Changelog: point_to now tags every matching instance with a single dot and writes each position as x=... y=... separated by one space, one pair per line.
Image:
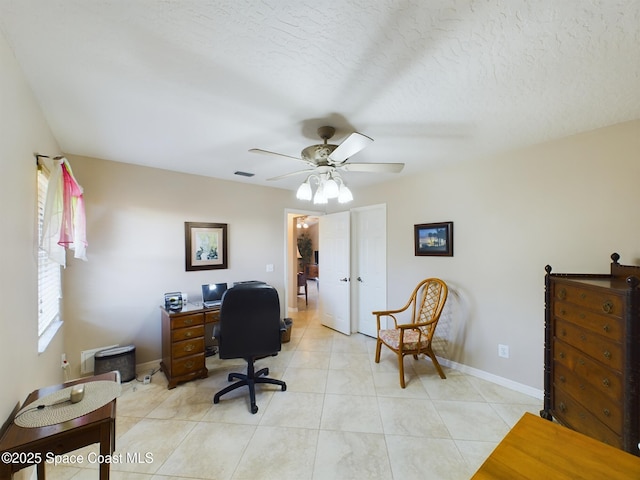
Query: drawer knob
x=561 y=354
x=563 y=312
x=606 y=328
x=188 y=321
x=562 y=407
x=188 y=334
x=607 y=306
x=607 y=354
x=562 y=379
x=607 y=412
x=189 y=347
x=606 y=382
x=562 y=294
x=583 y=295
x=583 y=337
x=563 y=332
x=581 y=361
x=581 y=386
x=190 y=364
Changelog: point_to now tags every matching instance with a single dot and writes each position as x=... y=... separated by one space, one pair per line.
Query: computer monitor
x=212 y=294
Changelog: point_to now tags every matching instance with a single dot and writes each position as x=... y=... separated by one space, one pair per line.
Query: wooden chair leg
x=436 y=364
x=401 y=368
x=378 y=347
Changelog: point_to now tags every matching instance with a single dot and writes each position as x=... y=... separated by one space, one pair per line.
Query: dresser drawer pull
x=188 y=334
x=581 y=386
x=561 y=354
x=562 y=407
x=562 y=294
x=581 y=361
x=607 y=354
x=606 y=382
x=582 y=415
x=583 y=295
x=563 y=332
x=607 y=306
x=563 y=312
x=189 y=347
x=190 y=364
x=562 y=379
x=188 y=321
x=583 y=337
x=607 y=412
x=606 y=328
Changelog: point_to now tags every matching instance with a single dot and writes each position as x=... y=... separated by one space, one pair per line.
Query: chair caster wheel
x=254 y=409
x=284 y=388
x=216 y=400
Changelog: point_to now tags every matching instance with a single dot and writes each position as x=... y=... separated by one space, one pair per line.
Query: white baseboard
x=490 y=377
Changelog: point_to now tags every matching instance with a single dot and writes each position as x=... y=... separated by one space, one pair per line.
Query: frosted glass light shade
x=304 y=191
x=345 y=194
x=331 y=188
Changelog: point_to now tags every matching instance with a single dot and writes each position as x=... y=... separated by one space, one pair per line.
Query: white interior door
x=334 y=246
x=369 y=265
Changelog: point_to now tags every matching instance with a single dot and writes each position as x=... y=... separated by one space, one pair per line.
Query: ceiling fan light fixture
x=345 y=194
x=304 y=191
x=331 y=188
x=320 y=198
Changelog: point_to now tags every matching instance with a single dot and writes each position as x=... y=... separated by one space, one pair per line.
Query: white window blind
x=49 y=283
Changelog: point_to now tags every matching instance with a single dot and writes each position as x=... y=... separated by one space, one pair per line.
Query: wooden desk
x=33 y=445
x=536 y=448
x=184 y=341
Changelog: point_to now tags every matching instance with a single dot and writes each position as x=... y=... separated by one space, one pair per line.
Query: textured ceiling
x=191 y=86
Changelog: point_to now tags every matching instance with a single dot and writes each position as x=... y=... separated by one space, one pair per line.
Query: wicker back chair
x=414 y=337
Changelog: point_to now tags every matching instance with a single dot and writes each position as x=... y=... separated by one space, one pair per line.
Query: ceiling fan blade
x=352 y=145
x=267 y=152
x=372 y=167
x=291 y=174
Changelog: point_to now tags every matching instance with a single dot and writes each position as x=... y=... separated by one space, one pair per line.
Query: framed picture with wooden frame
x=433 y=239
x=205 y=245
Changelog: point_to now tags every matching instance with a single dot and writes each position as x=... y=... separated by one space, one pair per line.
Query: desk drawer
x=212 y=316
x=187 y=321
x=187 y=333
x=187 y=347
x=186 y=365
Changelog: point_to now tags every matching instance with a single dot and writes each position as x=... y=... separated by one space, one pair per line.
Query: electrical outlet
x=503 y=351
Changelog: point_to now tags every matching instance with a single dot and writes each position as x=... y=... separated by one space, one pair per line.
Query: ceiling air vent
x=244 y=174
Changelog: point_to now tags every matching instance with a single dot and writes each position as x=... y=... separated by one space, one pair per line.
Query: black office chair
x=249 y=328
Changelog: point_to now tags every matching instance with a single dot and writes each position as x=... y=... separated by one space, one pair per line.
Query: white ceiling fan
x=325 y=156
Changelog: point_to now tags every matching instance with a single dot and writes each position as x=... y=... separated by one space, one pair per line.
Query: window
x=49 y=282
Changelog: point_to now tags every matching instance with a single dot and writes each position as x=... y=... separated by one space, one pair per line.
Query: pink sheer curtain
x=64 y=218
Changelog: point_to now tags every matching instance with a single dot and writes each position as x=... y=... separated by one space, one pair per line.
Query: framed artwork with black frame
x=434 y=239
x=205 y=245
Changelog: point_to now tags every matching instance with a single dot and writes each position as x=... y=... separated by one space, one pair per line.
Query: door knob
x=360 y=279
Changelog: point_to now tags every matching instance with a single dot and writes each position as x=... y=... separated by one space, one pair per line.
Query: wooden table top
x=537 y=448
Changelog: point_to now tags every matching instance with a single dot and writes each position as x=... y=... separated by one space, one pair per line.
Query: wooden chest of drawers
x=592 y=354
x=183 y=343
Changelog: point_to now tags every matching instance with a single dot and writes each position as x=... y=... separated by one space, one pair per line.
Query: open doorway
x=307 y=254
x=303 y=274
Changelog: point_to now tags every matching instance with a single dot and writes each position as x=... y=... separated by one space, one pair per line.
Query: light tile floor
x=342 y=417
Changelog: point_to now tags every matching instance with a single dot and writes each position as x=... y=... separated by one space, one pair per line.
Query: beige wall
x=568 y=203
x=135 y=224
x=23 y=132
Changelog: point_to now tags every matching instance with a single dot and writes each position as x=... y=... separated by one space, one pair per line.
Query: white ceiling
x=191 y=86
